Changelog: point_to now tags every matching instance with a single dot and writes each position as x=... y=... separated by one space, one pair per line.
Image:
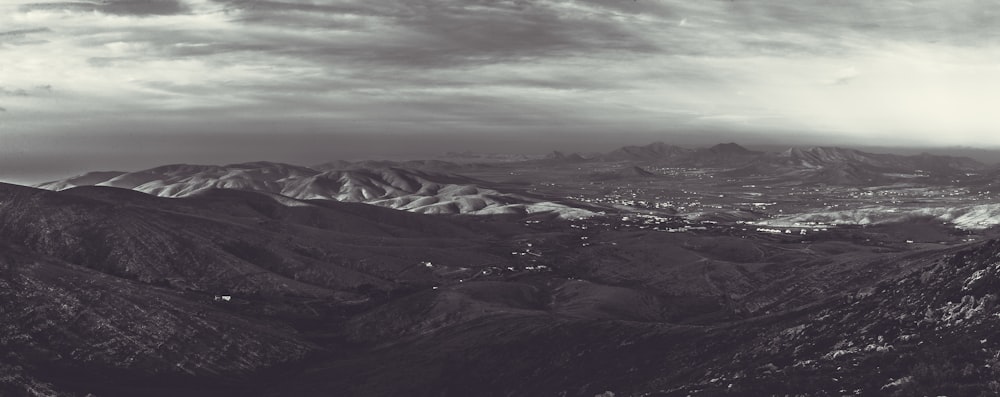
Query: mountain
x=730 y=149
x=840 y=166
x=656 y=151
x=182 y=179
x=817 y=165
x=115 y=292
x=226 y=240
x=724 y=155
x=924 y=327
x=70 y=329
x=226 y=292
x=398 y=188
x=420 y=191
x=924 y=162
x=560 y=157
x=267 y=279
x=929 y=331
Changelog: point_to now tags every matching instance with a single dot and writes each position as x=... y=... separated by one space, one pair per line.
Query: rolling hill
x=228 y=241
x=116 y=292
x=398 y=188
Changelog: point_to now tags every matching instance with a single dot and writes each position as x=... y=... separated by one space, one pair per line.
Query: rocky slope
x=928 y=332
x=71 y=327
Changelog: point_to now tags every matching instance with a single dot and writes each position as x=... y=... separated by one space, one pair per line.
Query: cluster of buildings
x=800 y=228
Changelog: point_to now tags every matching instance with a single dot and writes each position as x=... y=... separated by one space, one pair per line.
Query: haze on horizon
x=121 y=84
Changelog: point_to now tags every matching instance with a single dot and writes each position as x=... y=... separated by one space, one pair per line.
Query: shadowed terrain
x=272 y=280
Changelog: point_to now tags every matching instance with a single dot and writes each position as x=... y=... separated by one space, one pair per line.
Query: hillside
x=928 y=332
x=398 y=188
x=232 y=241
x=327 y=296
x=829 y=269
x=69 y=329
x=117 y=292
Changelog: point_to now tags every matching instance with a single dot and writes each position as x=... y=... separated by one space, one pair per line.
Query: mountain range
x=432 y=186
x=816 y=165
x=380 y=184
x=840 y=166
x=663 y=154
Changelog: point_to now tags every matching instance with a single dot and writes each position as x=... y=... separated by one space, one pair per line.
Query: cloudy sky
x=132 y=83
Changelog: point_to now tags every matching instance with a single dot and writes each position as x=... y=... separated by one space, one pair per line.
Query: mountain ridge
x=408 y=189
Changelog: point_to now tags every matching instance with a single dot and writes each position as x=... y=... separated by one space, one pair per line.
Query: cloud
x=22 y=36
x=584 y=67
x=114 y=7
x=20 y=33
x=437 y=33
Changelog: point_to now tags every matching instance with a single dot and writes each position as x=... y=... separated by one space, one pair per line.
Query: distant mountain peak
x=730 y=148
x=654 y=151
x=556 y=155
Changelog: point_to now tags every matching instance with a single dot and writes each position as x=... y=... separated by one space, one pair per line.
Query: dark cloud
x=450 y=33
x=962 y=22
x=22 y=32
x=424 y=33
x=116 y=7
x=265 y=6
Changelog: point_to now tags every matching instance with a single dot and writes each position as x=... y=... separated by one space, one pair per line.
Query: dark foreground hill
x=113 y=292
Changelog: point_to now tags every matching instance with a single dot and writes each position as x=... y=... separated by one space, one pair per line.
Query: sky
x=126 y=84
